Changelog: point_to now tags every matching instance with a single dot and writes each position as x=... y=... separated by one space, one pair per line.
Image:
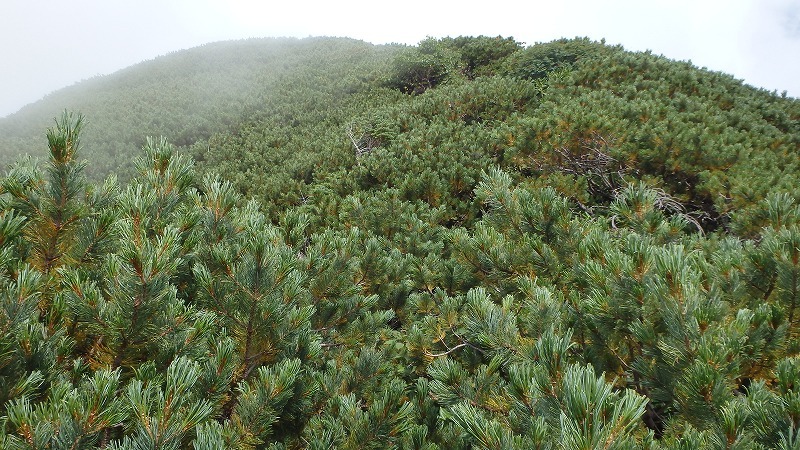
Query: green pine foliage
x=188 y=96
x=463 y=244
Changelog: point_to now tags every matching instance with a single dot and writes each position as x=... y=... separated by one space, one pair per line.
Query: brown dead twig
x=590 y=158
x=363 y=142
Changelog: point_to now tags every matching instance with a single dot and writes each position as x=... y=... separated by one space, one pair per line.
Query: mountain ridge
x=467 y=243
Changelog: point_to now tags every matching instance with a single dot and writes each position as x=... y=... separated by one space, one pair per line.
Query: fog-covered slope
x=185 y=95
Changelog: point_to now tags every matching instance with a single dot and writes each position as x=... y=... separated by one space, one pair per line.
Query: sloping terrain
x=462 y=244
x=186 y=95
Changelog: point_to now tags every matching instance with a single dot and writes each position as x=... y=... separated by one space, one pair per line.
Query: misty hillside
x=272 y=113
x=186 y=95
x=465 y=244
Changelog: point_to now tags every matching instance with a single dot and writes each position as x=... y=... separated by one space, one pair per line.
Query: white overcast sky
x=49 y=44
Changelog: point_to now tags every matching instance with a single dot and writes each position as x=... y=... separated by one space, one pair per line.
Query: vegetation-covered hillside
x=187 y=95
x=463 y=244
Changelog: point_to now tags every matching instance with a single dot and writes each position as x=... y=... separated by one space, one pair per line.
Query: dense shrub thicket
x=463 y=244
x=187 y=95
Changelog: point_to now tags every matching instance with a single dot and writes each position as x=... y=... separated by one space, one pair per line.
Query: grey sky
x=50 y=44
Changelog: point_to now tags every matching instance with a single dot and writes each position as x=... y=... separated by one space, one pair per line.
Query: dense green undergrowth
x=462 y=244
